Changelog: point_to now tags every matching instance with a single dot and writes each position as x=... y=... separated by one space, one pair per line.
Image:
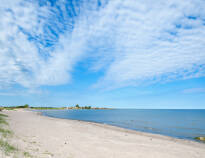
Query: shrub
x=200 y=138
x=23 y=106
x=77 y=106
x=1 y=108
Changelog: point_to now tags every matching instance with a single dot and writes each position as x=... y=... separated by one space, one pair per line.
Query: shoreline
x=127 y=130
x=124 y=129
x=92 y=133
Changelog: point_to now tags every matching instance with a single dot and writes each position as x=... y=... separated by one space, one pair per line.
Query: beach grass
x=7 y=148
x=3 y=115
x=5 y=132
x=27 y=154
x=3 y=121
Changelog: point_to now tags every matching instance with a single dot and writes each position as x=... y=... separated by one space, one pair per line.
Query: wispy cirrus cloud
x=39 y=42
x=154 y=42
x=130 y=41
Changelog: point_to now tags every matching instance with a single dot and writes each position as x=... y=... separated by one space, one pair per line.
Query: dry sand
x=45 y=137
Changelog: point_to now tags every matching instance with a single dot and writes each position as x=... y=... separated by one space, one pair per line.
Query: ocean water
x=185 y=124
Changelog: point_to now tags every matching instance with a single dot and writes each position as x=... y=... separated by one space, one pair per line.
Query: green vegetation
x=7 y=148
x=63 y=108
x=9 y=108
x=2 y=120
x=5 y=132
x=26 y=106
x=1 y=108
x=3 y=115
x=48 y=108
x=200 y=138
x=83 y=107
x=27 y=154
x=15 y=107
x=86 y=107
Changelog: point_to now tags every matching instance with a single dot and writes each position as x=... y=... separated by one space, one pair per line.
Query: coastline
x=73 y=138
x=178 y=130
x=127 y=130
x=122 y=129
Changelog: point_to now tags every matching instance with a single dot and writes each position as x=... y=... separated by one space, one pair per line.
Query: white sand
x=45 y=137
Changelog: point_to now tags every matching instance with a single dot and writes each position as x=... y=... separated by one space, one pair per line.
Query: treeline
x=14 y=107
x=82 y=107
x=27 y=106
x=47 y=108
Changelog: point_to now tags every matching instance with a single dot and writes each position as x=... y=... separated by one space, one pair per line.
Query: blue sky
x=121 y=54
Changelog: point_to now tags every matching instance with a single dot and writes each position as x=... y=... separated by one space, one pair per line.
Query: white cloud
x=37 y=46
x=153 y=41
x=131 y=41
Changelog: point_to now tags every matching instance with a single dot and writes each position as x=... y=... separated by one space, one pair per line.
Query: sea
x=184 y=124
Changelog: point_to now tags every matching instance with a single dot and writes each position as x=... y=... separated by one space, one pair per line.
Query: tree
x=77 y=106
x=87 y=107
x=26 y=106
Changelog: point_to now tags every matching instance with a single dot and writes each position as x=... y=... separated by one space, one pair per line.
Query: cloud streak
x=38 y=42
x=132 y=42
x=155 y=42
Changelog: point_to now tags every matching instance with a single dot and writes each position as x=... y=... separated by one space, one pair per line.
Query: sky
x=111 y=53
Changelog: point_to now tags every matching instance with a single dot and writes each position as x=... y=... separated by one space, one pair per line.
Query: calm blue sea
x=185 y=124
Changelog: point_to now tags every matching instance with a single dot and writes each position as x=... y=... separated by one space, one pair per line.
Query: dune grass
x=7 y=148
x=3 y=120
x=5 y=132
x=27 y=154
x=3 y=115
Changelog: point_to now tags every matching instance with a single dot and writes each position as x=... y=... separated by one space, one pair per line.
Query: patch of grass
x=34 y=142
x=9 y=108
x=3 y=121
x=5 y=132
x=4 y=145
x=3 y=115
x=48 y=108
x=15 y=156
x=27 y=154
x=7 y=148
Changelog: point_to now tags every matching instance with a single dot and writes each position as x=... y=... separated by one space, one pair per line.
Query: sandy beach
x=45 y=137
